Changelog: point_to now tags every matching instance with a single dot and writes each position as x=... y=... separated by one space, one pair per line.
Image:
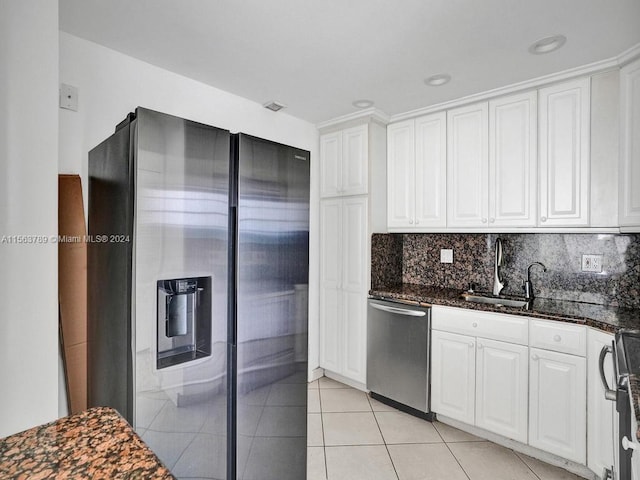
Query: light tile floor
x=353 y=437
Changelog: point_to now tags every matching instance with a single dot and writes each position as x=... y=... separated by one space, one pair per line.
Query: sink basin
x=497 y=301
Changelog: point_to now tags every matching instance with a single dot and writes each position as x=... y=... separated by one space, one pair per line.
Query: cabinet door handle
x=474 y=324
x=484 y=220
x=480 y=346
x=543 y=219
x=492 y=220
x=411 y=222
x=557 y=338
x=534 y=357
x=471 y=344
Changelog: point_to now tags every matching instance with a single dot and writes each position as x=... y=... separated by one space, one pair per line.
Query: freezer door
x=272 y=255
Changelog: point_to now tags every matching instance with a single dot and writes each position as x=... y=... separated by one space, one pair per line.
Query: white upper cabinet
x=468 y=166
x=344 y=162
x=416 y=173
x=492 y=163
x=564 y=154
x=629 y=201
x=513 y=161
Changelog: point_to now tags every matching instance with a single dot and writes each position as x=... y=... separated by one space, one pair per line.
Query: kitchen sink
x=499 y=302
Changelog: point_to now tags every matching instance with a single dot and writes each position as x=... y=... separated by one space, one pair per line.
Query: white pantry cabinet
x=416 y=174
x=602 y=420
x=493 y=163
x=344 y=286
x=629 y=201
x=564 y=119
x=344 y=162
x=347 y=220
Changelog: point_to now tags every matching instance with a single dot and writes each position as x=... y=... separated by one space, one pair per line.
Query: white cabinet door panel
x=557 y=404
x=401 y=174
x=354 y=244
x=453 y=377
x=502 y=386
x=431 y=171
x=355 y=161
x=600 y=422
x=354 y=329
x=630 y=145
x=330 y=164
x=513 y=161
x=564 y=154
x=467 y=167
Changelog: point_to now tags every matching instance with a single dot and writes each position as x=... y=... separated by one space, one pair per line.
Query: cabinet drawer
x=496 y=326
x=559 y=337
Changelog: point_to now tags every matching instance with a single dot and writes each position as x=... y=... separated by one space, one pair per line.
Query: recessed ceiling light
x=547 y=44
x=274 y=106
x=362 y=103
x=438 y=80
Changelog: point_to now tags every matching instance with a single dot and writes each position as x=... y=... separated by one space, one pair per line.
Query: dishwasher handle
x=399 y=311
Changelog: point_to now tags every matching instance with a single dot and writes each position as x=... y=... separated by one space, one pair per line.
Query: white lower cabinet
x=501 y=388
x=558 y=404
x=453 y=375
x=601 y=420
x=481 y=382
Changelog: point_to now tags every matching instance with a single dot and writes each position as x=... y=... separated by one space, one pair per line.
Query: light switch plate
x=592 y=263
x=446 y=255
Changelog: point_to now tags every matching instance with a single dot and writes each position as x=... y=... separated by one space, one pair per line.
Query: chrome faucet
x=498 y=284
x=527 y=285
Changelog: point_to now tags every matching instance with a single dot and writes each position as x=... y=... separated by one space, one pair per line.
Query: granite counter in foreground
x=608 y=319
x=95 y=444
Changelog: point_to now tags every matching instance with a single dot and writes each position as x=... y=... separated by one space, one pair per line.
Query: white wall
x=111 y=84
x=28 y=206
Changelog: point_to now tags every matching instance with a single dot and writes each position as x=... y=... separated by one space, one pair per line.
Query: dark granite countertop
x=97 y=444
x=609 y=319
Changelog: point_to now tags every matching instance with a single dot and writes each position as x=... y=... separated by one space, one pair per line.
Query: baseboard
x=347 y=381
x=576 y=468
x=315 y=374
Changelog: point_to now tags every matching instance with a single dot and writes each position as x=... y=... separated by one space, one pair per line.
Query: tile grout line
x=382 y=436
x=324 y=444
x=520 y=458
x=452 y=454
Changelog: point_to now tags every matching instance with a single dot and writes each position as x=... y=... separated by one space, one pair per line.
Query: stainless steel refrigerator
x=197 y=295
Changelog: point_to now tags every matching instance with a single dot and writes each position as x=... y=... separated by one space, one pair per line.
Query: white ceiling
x=318 y=56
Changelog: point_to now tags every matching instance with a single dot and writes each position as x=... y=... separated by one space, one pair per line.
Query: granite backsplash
x=415 y=258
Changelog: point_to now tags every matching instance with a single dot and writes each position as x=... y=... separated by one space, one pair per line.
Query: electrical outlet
x=68 y=97
x=592 y=263
x=446 y=255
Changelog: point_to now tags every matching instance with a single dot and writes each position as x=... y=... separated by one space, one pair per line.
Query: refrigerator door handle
x=608 y=393
x=399 y=311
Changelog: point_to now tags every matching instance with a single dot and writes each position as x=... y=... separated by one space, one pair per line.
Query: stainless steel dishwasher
x=398 y=351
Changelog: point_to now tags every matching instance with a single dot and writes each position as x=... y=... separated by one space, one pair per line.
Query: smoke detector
x=274 y=106
x=547 y=44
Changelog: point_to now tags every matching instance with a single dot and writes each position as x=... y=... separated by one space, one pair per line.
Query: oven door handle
x=608 y=393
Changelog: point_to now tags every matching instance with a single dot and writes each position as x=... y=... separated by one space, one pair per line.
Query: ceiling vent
x=274 y=106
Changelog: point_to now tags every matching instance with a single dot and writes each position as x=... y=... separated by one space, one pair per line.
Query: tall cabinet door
x=502 y=386
x=401 y=174
x=330 y=283
x=431 y=171
x=630 y=145
x=513 y=161
x=330 y=164
x=601 y=436
x=468 y=166
x=355 y=287
x=453 y=375
x=557 y=404
x=564 y=154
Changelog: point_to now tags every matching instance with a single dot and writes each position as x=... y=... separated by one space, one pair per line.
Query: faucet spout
x=528 y=286
x=498 y=283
